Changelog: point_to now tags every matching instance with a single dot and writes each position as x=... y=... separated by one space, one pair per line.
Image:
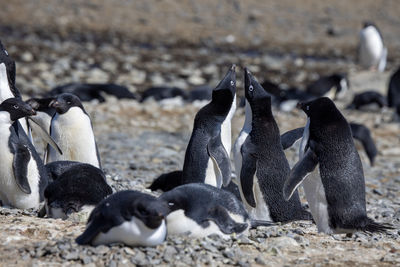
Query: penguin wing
x=249 y=166
x=46 y=137
x=290 y=137
x=299 y=172
x=362 y=133
x=97 y=223
x=20 y=166
x=217 y=152
x=220 y=216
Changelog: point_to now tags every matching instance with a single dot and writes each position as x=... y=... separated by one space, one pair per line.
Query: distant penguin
x=372 y=52
x=200 y=210
x=334 y=86
x=202 y=92
x=163 y=92
x=91 y=91
x=129 y=217
x=207 y=154
x=367 y=98
x=393 y=95
x=264 y=167
x=363 y=134
x=22 y=174
x=71 y=129
x=336 y=195
x=78 y=187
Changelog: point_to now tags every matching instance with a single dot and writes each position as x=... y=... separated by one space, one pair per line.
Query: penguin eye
x=171 y=204
x=16 y=106
x=232 y=83
x=143 y=211
x=68 y=102
x=251 y=88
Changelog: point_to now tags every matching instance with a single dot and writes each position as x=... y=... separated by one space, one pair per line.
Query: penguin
x=163 y=92
x=372 y=52
x=207 y=155
x=76 y=187
x=91 y=91
x=129 y=217
x=199 y=210
x=262 y=166
x=72 y=130
x=367 y=98
x=334 y=86
x=22 y=174
x=336 y=195
x=44 y=113
x=200 y=93
x=393 y=94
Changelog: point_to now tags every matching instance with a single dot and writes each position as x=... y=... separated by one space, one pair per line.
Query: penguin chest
x=316 y=198
x=371 y=47
x=133 y=233
x=237 y=154
x=226 y=128
x=261 y=211
x=213 y=173
x=75 y=137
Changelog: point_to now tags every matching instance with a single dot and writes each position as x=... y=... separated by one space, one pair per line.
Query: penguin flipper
x=46 y=137
x=249 y=165
x=217 y=152
x=362 y=133
x=299 y=172
x=20 y=166
x=220 y=216
x=290 y=137
x=92 y=230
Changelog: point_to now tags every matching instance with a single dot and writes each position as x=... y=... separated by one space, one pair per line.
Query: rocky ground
x=139 y=141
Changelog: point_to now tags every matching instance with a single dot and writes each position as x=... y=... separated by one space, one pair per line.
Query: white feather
x=372 y=51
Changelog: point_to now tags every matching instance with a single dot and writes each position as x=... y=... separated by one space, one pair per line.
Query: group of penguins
x=202 y=198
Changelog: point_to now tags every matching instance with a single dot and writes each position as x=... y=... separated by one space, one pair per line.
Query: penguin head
x=367 y=24
x=16 y=108
x=149 y=210
x=258 y=98
x=321 y=111
x=9 y=64
x=223 y=95
x=342 y=84
x=62 y=103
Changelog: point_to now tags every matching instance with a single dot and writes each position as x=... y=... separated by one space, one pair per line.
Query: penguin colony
x=202 y=198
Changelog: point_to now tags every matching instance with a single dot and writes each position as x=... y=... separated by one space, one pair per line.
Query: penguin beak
x=300 y=105
x=54 y=103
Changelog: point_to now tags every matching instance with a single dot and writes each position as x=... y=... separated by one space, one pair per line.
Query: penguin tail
x=373 y=227
x=257 y=223
x=167 y=181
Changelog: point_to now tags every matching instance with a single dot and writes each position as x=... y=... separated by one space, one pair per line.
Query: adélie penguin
x=129 y=217
x=76 y=187
x=72 y=130
x=23 y=177
x=337 y=195
x=372 y=52
x=264 y=167
x=199 y=210
x=207 y=154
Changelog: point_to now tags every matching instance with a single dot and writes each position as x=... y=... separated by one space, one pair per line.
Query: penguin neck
x=221 y=102
x=248 y=118
x=5 y=88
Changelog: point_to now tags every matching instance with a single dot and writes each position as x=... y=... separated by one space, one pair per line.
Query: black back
x=207 y=124
x=339 y=163
x=393 y=95
x=163 y=92
x=366 y=98
x=264 y=144
x=322 y=86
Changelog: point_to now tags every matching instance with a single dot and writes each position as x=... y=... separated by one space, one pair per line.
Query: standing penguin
x=207 y=155
x=371 y=51
x=337 y=195
x=22 y=174
x=264 y=165
x=129 y=217
x=72 y=130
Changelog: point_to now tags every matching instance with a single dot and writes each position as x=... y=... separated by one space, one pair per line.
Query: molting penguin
x=207 y=154
x=371 y=51
x=129 y=217
x=333 y=86
x=72 y=130
x=22 y=174
x=264 y=166
x=201 y=210
x=336 y=196
x=76 y=186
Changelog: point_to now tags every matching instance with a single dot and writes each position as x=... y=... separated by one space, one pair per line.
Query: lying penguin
x=72 y=130
x=336 y=194
x=200 y=210
x=129 y=217
x=76 y=187
x=22 y=174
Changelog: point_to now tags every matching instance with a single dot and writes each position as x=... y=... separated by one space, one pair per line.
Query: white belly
x=73 y=133
x=226 y=132
x=133 y=233
x=315 y=195
x=237 y=155
x=371 y=47
x=213 y=174
x=11 y=194
x=261 y=211
x=5 y=90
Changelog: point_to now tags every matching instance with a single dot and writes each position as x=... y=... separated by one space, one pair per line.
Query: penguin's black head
x=17 y=108
x=64 y=102
x=258 y=98
x=321 y=110
x=342 y=84
x=224 y=93
x=149 y=210
x=367 y=24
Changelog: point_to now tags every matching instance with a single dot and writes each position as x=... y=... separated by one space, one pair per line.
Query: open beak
x=54 y=104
